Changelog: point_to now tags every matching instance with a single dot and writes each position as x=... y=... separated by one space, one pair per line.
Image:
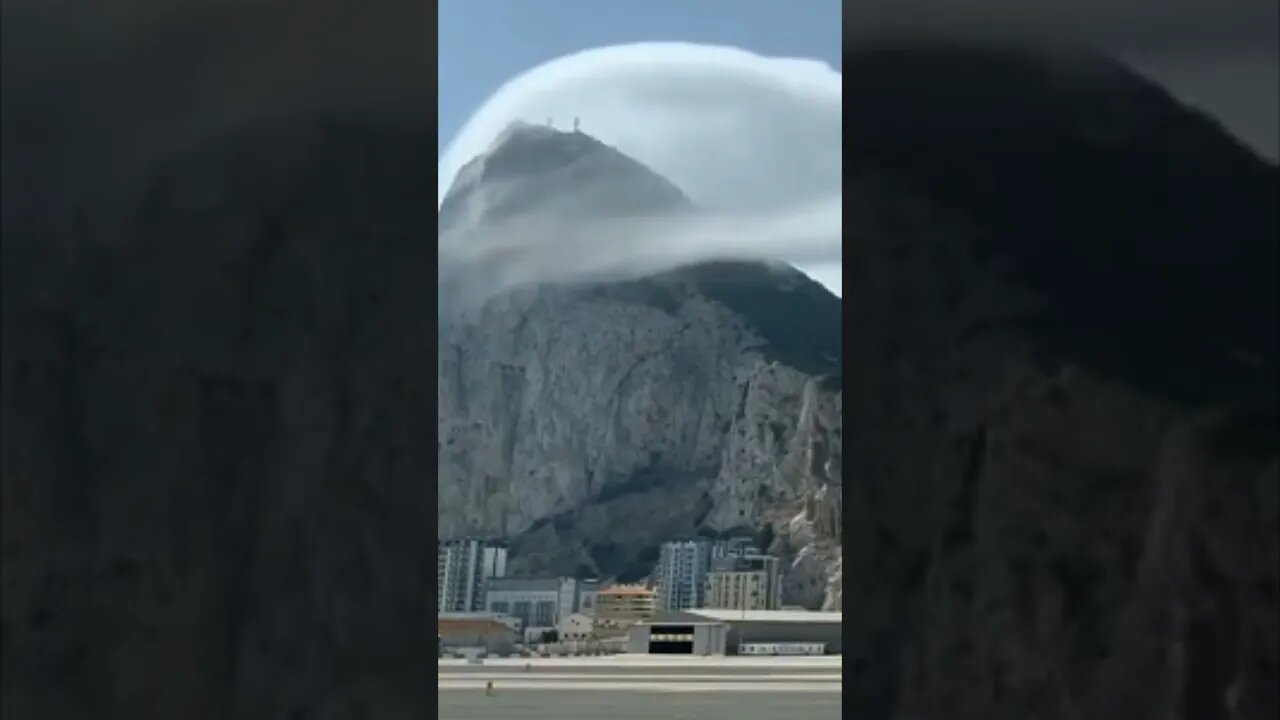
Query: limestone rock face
x=216 y=433
x=216 y=425
x=591 y=426
x=590 y=423
x=1063 y=441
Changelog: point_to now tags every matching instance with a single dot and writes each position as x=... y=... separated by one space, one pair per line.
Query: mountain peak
x=537 y=168
x=1071 y=166
x=520 y=131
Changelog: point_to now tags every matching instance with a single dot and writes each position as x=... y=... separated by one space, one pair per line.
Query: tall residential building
x=752 y=582
x=462 y=568
x=680 y=578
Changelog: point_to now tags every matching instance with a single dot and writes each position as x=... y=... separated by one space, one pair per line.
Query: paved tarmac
x=576 y=704
x=641 y=688
x=735 y=665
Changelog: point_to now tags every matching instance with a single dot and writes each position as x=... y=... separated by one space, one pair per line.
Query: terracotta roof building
x=625 y=603
x=492 y=634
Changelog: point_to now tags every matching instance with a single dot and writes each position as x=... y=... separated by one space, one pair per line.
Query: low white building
x=577 y=627
x=739 y=632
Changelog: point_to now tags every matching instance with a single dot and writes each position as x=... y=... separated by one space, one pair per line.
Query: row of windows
x=541 y=614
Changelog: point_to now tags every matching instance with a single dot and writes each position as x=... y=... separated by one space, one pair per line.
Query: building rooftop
x=478 y=615
x=626 y=590
x=524 y=584
x=487 y=542
x=786 y=616
x=456 y=621
x=743 y=563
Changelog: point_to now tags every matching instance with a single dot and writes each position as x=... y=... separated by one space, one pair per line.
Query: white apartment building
x=752 y=582
x=683 y=568
x=680 y=578
x=462 y=569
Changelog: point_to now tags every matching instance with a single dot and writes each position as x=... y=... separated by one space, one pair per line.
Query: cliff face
x=590 y=423
x=1063 y=441
x=1062 y=495
x=216 y=464
x=216 y=432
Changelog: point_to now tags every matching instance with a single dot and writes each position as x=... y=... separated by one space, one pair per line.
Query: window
x=546 y=613
x=522 y=610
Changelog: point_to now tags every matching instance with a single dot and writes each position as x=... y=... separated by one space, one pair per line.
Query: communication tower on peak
x=575 y=124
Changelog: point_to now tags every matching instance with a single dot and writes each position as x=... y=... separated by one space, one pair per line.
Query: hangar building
x=738 y=632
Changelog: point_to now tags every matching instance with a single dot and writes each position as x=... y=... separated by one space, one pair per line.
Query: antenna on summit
x=549 y=121
x=575 y=124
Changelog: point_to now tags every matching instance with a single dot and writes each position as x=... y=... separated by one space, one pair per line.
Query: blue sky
x=484 y=43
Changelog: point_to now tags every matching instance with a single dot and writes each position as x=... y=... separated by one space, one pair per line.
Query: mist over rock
x=1061 y=362
x=590 y=421
x=533 y=168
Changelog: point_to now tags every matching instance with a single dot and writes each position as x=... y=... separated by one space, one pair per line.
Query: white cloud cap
x=738 y=132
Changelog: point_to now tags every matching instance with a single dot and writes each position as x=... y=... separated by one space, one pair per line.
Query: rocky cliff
x=216 y=458
x=1062 y=496
x=216 y=427
x=590 y=422
x=1063 y=442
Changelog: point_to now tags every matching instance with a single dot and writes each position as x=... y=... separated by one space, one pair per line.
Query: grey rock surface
x=1062 y=475
x=589 y=423
x=586 y=424
x=216 y=449
x=216 y=426
x=1063 y=443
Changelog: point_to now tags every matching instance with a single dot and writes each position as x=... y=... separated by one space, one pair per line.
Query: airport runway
x=737 y=665
x=635 y=665
x=641 y=688
x=632 y=705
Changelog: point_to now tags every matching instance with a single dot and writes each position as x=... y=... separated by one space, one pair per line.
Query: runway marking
x=752 y=663
x=627 y=677
x=690 y=687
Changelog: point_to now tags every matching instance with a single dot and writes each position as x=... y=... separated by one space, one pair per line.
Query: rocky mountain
x=590 y=422
x=216 y=423
x=1061 y=365
x=1063 y=444
x=216 y=427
